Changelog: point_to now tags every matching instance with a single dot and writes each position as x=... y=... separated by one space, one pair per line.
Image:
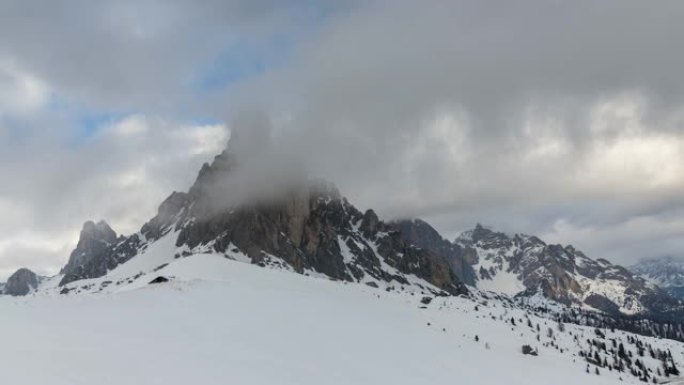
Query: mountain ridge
x=309 y=228
x=666 y=272
x=524 y=265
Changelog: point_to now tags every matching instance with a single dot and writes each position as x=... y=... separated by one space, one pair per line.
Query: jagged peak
x=100 y=231
x=479 y=233
x=482 y=233
x=369 y=223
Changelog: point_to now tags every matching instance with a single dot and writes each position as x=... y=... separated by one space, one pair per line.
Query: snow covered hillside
x=219 y=321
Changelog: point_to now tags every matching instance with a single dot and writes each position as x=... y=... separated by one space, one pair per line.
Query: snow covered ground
x=225 y=322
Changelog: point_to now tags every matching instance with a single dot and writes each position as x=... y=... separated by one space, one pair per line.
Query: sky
x=563 y=119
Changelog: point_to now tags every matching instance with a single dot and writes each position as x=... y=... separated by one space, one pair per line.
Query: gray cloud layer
x=563 y=118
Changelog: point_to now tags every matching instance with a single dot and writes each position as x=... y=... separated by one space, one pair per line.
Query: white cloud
x=121 y=174
x=20 y=92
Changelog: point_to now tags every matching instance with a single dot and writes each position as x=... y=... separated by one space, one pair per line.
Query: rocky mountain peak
x=237 y=209
x=21 y=283
x=484 y=237
x=369 y=223
x=211 y=173
x=95 y=241
x=99 y=231
x=523 y=264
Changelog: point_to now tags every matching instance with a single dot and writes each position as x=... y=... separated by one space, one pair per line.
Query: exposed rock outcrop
x=523 y=264
x=421 y=234
x=98 y=251
x=95 y=240
x=21 y=283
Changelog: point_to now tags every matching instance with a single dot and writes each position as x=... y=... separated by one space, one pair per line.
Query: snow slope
x=221 y=321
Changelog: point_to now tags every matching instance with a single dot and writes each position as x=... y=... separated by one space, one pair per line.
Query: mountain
x=666 y=272
x=206 y=288
x=308 y=227
x=525 y=265
x=421 y=234
x=98 y=251
x=21 y=283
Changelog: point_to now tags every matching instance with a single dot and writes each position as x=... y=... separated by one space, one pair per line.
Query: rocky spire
x=95 y=239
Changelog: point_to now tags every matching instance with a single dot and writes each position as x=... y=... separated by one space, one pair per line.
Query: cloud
x=521 y=115
x=20 y=93
x=120 y=174
x=139 y=55
x=562 y=119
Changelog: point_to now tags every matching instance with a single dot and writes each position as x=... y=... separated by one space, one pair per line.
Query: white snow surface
x=221 y=321
x=496 y=264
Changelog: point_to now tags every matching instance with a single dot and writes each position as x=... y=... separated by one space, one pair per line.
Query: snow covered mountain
x=666 y=272
x=308 y=228
x=208 y=290
x=524 y=265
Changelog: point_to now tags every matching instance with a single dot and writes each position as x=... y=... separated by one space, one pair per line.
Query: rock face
x=98 y=250
x=21 y=283
x=308 y=227
x=666 y=272
x=421 y=234
x=94 y=241
x=525 y=265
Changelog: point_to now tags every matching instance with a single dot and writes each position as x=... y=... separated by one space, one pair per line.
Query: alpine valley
x=302 y=287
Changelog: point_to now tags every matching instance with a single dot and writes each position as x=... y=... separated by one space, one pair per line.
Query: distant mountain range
x=666 y=272
x=524 y=265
